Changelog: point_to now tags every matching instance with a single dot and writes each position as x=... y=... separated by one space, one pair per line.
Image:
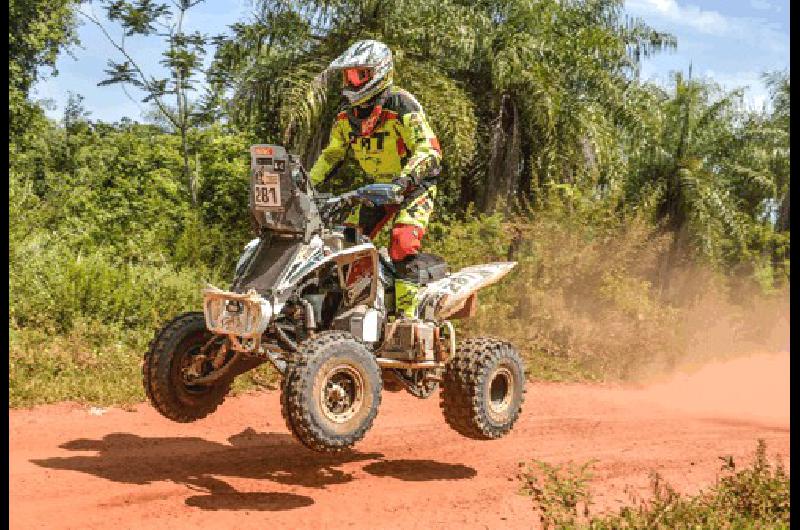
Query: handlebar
x=336 y=208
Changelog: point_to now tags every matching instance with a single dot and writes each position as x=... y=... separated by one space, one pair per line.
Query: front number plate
x=268 y=191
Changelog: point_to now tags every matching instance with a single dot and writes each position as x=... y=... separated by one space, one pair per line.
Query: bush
x=53 y=287
x=561 y=493
x=754 y=497
x=92 y=362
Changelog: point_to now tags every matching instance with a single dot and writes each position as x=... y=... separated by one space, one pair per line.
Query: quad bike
x=316 y=300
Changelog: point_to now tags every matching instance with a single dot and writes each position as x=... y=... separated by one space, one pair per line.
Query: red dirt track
x=240 y=468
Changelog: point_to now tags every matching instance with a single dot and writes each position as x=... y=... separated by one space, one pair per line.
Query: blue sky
x=732 y=42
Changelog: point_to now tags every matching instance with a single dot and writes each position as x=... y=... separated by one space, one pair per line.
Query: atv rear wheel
x=483 y=388
x=172 y=350
x=331 y=392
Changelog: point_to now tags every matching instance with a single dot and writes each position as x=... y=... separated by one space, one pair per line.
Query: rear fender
x=443 y=298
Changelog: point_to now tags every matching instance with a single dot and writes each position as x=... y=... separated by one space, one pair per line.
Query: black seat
x=422 y=268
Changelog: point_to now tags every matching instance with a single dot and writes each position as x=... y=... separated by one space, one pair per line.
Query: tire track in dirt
x=239 y=468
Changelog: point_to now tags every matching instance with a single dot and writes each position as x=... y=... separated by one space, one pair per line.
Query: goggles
x=356 y=77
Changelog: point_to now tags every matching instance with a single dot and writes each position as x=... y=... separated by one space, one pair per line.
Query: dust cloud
x=753 y=388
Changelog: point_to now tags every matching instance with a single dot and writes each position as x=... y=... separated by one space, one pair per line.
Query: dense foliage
x=603 y=187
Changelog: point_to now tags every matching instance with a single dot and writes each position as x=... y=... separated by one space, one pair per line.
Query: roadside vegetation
x=650 y=223
x=756 y=496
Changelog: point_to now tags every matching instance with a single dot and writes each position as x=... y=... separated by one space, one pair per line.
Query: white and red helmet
x=367 y=70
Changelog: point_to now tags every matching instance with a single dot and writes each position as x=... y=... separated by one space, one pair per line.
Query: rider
x=385 y=128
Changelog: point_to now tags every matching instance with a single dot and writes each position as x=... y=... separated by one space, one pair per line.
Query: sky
x=732 y=42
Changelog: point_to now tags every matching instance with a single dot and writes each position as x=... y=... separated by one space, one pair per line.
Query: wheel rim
x=501 y=393
x=187 y=352
x=342 y=394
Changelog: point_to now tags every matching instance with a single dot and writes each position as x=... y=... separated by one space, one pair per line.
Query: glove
x=352 y=198
x=399 y=191
x=403 y=184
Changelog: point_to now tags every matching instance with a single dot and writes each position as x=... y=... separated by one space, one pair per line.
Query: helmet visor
x=356 y=77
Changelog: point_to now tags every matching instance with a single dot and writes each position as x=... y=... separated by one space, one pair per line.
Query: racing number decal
x=266 y=196
x=458 y=281
x=267 y=189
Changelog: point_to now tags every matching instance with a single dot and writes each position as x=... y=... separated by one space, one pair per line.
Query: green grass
x=754 y=497
x=98 y=364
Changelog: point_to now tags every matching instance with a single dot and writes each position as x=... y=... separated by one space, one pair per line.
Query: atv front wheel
x=482 y=388
x=331 y=392
x=172 y=351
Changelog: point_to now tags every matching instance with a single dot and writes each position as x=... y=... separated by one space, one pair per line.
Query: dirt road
x=70 y=468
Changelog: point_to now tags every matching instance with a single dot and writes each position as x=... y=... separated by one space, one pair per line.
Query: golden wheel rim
x=501 y=393
x=341 y=394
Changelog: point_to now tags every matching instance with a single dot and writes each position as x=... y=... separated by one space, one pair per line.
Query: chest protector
x=376 y=139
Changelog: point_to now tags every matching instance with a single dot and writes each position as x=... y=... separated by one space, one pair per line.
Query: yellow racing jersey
x=400 y=144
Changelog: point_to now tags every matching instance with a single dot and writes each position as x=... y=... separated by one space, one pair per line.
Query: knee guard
x=406 y=241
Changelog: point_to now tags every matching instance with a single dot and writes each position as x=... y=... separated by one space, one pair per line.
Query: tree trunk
x=467 y=187
x=782 y=223
x=183 y=122
x=197 y=170
x=511 y=163
x=187 y=173
x=504 y=158
x=497 y=144
x=672 y=209
x=526 y=173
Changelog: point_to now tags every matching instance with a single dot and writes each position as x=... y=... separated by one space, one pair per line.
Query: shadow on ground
x=419 y=470
x=196 y=463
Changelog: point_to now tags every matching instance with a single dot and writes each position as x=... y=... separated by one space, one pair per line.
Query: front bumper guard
x=242 y=317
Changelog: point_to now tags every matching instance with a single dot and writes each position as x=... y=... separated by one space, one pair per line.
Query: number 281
x=266 y=195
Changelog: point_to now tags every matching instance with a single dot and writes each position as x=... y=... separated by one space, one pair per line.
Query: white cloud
x=764 y=5
x=704 y=21
x=756 y=31
x=755 y=94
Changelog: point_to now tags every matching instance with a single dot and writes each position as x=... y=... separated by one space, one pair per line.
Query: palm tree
x=706 y=174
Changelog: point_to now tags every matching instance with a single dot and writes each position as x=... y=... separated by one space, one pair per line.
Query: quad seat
x=421 y=268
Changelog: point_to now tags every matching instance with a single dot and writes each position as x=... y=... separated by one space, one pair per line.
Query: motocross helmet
x=366 y=68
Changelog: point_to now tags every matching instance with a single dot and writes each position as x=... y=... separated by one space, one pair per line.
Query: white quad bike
x=316 y=299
